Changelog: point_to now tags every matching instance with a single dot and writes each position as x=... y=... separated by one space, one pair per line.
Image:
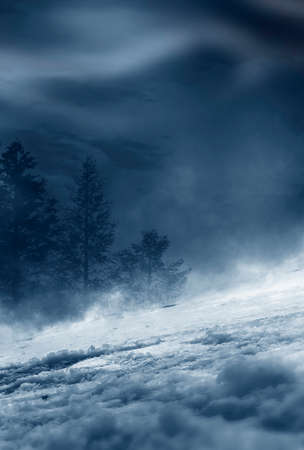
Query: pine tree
x=27 y=225
x=150 y=252
x=143 y=274
x=89 y=231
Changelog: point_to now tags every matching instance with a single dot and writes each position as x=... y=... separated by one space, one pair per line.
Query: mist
x=151 y=224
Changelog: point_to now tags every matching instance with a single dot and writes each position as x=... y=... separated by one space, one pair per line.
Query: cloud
x=193 y=112
x=248 y=405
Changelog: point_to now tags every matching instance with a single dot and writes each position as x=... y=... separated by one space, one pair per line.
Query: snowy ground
x=217 y=372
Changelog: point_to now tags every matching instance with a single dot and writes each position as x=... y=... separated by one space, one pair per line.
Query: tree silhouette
x=89 y=231
x=142 y=273
x=28 y=222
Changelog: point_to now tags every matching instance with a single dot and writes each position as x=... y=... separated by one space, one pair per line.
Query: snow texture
x=220 y=373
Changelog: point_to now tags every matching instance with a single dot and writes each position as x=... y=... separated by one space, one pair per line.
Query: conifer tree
x=89 y=230
x=144 y=275
x=28 y=221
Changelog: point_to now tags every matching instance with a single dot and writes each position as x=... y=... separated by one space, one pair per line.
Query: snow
x=220 y=371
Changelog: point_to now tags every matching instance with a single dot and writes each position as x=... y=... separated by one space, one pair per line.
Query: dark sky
x=193 y=109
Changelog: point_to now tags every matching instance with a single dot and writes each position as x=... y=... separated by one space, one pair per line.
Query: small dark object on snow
x=169 y=306
x=45 y=397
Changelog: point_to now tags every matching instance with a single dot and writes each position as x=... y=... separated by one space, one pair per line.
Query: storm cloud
x=194 y=113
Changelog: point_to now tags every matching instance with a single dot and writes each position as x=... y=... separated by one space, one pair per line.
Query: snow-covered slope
x=221 y=371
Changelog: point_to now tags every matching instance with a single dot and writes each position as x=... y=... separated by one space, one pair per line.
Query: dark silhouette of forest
x=50 y=251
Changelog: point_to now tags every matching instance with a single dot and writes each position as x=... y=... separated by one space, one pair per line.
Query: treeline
x=54 y=249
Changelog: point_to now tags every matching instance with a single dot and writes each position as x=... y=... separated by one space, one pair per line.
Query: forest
x=64 y=251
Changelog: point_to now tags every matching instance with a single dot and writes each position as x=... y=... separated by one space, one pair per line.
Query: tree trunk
x=15 y=281
x=15 y=256
x=86 y=240
x=149 y=281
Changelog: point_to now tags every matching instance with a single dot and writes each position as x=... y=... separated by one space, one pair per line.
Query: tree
x=142 y=273
x=89 y=231
x=28 y=222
